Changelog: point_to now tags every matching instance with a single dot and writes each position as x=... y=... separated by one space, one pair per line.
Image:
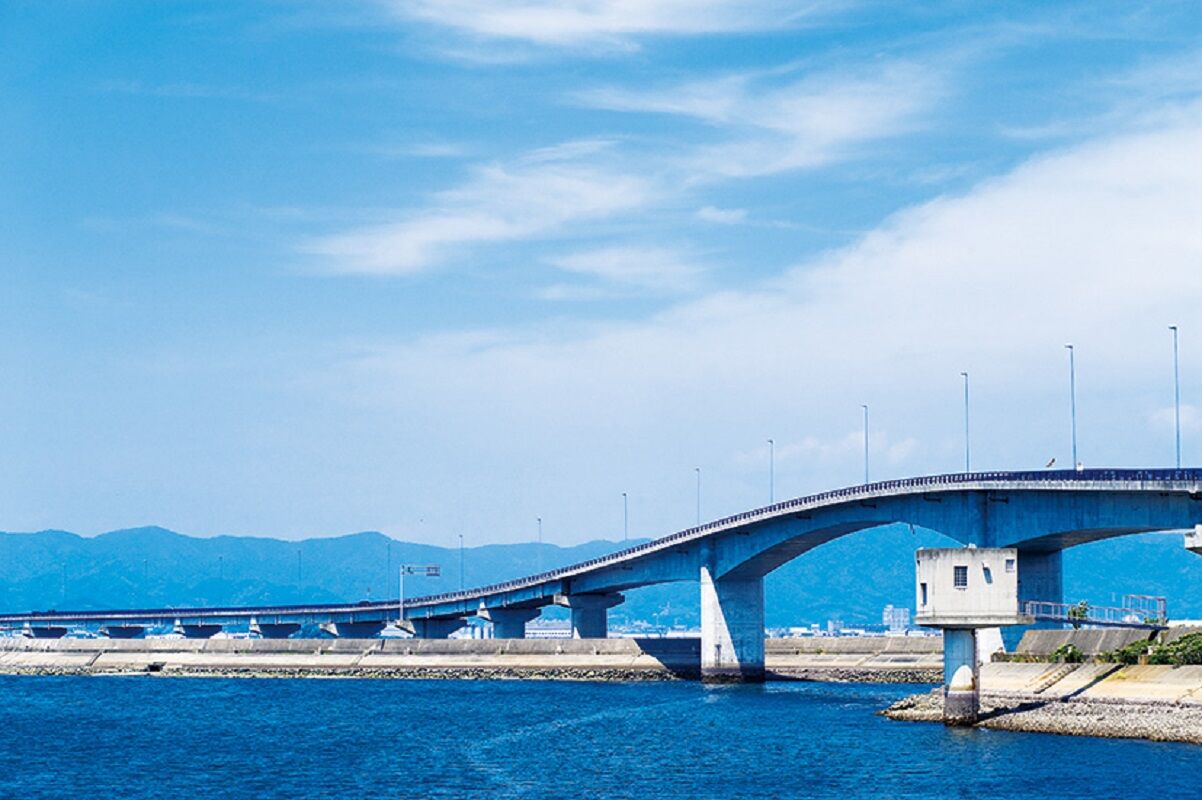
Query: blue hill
x=849 y=579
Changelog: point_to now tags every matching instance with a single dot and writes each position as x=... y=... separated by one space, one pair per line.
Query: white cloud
x=658 y=269
x=722 y=216
x=501 y=203
x=1098 y=244
x=613 y=23
x=805 y=122
x=1166 y=419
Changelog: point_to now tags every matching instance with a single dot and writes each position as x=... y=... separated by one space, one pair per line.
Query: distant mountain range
x=850 y=579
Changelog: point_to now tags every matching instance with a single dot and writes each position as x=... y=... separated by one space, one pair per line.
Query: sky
x=444 y=267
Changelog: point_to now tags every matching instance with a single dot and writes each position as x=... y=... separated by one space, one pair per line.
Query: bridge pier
x=732 y=629
x=509 y=623
x=274 y=630
x=197 y=630
x=123 y=631
x=355 y=630
x=961 y=677
x=590 y=613
x=436 y=628
x=1193 y=540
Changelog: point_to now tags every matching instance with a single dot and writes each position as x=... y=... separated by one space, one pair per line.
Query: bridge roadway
x=1039 y=512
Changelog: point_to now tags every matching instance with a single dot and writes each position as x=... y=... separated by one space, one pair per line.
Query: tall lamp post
x=461 y=562
x=540 y=545
x=967 y=459
x=698 y=471
x=1176 y=393
x=1072 y=395
x=865 y=407
x=625 y=517
x=771 y=472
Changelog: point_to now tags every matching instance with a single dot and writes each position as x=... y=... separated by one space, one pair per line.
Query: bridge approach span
x=1040 y=512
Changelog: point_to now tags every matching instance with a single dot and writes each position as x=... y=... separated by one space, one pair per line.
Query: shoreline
x=1110 y=718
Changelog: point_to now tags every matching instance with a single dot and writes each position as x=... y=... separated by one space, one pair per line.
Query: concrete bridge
x=1040 y=513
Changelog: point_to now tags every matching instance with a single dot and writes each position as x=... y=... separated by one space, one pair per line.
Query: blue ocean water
x=146 y=737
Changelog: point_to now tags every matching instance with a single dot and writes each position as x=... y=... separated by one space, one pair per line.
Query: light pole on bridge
x=461 y=562
x=771 y=472
x=1072 y=394
x=540 y=545
x=698 y=471
x=865 y=407
x=1176 y=393
x=625 y=517
x=967 y=460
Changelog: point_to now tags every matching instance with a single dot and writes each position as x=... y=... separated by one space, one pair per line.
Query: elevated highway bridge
x=1041 y=513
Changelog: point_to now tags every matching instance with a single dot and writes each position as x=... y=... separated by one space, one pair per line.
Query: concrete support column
x=274 y=630
x=590 y=613
x=1193 y=540
x=355 y=630
x=197 y=630
x=436 y=628
x=961 y=677
x=732 y=629
x=509 y=623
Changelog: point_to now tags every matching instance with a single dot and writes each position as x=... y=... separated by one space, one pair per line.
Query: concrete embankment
x=868 y=659
x=1157 y=702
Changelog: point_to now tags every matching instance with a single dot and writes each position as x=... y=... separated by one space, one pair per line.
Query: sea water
x=157 y=737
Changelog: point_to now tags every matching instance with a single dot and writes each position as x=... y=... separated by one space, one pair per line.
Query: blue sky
x=434 y=268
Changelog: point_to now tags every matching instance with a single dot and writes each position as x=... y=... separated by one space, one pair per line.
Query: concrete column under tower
x=590 y=613
x=961 y=677
x=509 y=623
x=732 y=629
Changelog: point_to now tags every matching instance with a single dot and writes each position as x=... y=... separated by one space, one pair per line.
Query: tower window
x=960 y=577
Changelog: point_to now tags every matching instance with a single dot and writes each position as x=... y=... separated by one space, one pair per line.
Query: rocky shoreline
x=604 y=674
x=1153 y=720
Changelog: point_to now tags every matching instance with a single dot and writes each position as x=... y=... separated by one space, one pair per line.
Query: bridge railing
x=822 y=498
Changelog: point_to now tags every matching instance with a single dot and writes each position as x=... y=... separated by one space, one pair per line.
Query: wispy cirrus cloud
x=622 y=269
x=534 y=197
x=775 y=123
x=607 y=23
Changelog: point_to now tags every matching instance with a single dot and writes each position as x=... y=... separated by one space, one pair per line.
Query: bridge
x=1041 y=513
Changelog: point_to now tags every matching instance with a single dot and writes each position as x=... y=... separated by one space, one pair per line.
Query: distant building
x=896 y=620
x=834 y=627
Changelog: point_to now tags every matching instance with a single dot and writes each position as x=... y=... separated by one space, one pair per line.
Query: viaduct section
x=1039 y=514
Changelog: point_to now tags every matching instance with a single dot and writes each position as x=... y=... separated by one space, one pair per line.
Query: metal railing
x=1151 y=613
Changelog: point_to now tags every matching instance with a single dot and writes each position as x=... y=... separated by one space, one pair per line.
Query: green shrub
x=1067 y=654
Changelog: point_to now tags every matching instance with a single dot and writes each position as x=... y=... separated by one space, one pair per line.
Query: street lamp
x=865 y=407
x=1072 y=393
x=698 y=471
x=429 y=570
x=625 y=517
x=771 y=472
x=461 y=562
x=1176 y=393
x=967 y=461
x=540 y=545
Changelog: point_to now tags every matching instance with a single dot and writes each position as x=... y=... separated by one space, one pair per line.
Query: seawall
x=883 y=659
